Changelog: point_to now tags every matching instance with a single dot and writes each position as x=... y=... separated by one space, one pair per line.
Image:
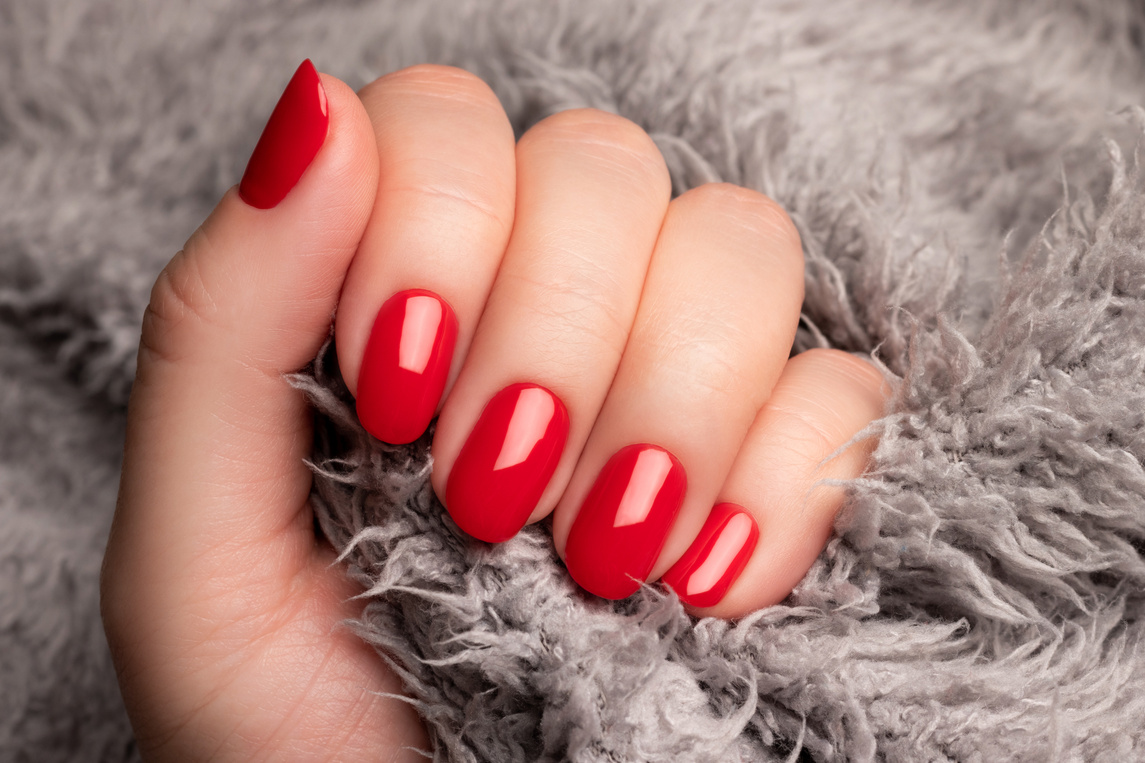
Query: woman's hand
x=596 y=350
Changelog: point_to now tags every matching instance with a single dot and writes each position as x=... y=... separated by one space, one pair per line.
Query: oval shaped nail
x=617 y=537
x=406 y=365
x=703 y=575
x=507 y=461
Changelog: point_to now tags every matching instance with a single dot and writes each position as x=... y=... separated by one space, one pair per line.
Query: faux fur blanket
x=965 y=179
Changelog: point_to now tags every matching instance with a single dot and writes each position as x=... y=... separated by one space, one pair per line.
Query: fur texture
x=964 y=176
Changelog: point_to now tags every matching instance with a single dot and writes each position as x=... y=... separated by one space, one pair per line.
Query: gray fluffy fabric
x=966 y=181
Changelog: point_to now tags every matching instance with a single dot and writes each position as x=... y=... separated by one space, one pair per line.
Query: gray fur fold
x=966 y=183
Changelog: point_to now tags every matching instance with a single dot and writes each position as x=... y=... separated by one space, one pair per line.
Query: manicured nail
x=406 y=365
x=289 y=142
x=716 y=557
x=507 y=462
x=623 y=523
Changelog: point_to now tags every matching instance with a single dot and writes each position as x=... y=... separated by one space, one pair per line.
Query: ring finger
x=713 y=332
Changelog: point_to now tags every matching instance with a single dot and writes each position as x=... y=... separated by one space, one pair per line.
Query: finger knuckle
x=805 y=432
x=574 y=312
x=748 y=211
x=180 y=302
x=707 y=358
x=811 y=415
x=433 y=81
x=604 y=138
x=465 y=202
x=851 y=372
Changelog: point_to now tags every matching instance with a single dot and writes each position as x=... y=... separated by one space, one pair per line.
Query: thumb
x=212 y=571
x=212 y=425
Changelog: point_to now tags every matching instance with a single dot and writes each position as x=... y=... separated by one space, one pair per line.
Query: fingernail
x=291 y=139
x=716 y=557
x=507 y=462
x=623 y=523
x=406 y=365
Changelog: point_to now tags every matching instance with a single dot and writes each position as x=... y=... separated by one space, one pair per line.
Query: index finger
x=438 y=229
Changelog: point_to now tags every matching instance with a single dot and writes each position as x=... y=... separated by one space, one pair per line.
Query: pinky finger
x=777 y=508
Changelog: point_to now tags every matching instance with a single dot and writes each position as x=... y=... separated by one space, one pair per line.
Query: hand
x=629 y=319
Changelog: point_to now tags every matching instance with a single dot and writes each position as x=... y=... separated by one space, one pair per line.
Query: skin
x=568 y=264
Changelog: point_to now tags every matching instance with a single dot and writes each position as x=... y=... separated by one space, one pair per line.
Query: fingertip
x=316 y=156
x=259 y=279
x=318 y=132
x=292 y=136
x=807 y=440
x=716 y=558
x=350 y=154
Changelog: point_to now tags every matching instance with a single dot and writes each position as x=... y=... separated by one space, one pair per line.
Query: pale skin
x=568 y=264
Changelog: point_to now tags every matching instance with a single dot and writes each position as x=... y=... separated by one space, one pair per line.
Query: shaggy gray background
x=965 y=180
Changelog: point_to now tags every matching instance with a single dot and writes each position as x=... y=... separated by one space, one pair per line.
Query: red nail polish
x=623 y=523
x=507 y=462
x=406 y=365
x=716 y=557
x=291 y=139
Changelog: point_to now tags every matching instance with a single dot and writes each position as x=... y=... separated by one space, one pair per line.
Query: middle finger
x=592 y=190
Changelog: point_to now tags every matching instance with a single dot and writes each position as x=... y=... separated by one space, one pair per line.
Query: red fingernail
x=289 y=142
x=716 y=557
x=507 y=462
x=623 y=523
x=406 y=365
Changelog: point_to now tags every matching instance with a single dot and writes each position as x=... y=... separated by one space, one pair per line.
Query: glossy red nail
x=623 y=523
x=507 y=462
x=406 y=365
x=291 y=139
x=716 y=557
